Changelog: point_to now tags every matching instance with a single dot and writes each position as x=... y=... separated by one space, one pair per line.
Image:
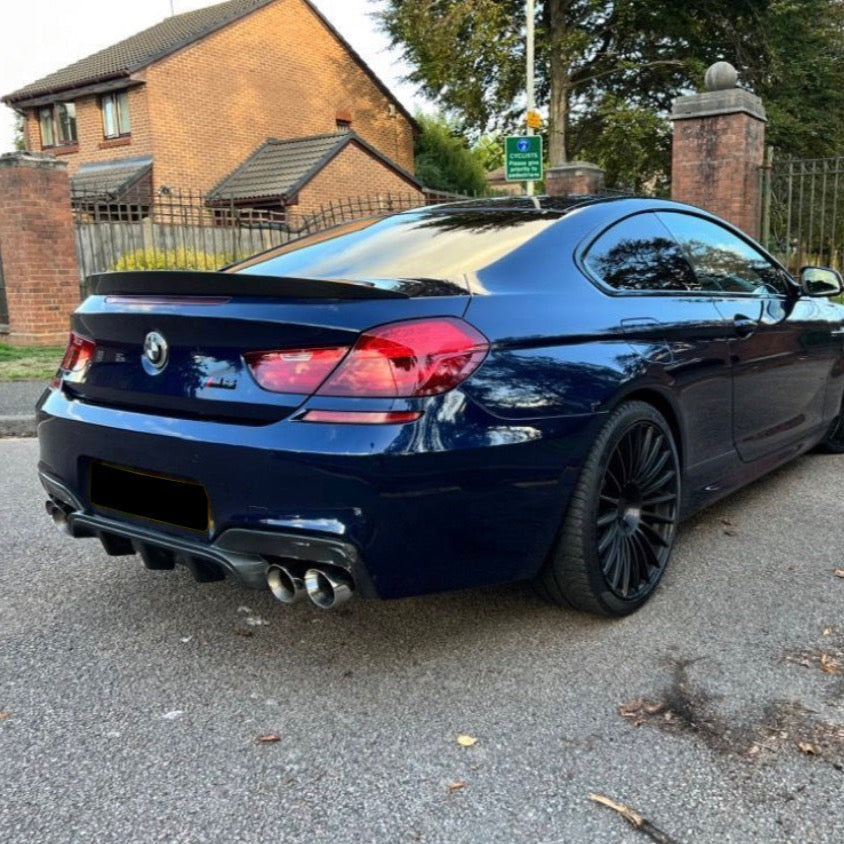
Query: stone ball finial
x=721 y=77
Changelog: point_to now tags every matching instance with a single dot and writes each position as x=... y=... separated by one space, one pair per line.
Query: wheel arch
x=659 y=401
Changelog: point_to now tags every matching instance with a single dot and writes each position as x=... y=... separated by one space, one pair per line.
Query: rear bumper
x=401 y=509
x=238 y=552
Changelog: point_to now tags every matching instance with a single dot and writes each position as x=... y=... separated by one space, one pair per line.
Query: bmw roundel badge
x=156 y=350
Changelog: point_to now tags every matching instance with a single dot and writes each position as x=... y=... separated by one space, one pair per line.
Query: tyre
x=833 y=441
x=619 y=529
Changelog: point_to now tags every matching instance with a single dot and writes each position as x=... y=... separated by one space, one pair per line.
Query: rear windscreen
x=420 y=245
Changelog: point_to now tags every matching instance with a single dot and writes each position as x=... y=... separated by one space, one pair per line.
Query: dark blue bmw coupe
x=449 y=397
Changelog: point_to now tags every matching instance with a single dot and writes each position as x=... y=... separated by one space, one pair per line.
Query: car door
x=672 y=327
x=782 y=347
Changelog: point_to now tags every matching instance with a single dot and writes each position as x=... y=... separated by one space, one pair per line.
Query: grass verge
x=23 y=363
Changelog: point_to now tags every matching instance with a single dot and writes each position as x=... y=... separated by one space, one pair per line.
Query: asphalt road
x=132 y=701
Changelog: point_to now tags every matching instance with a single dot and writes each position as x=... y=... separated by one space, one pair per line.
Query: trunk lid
x=204 y=323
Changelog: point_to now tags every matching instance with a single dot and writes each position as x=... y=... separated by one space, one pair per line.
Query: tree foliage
x=443 y=159
x=19 y=137
x=607 y=70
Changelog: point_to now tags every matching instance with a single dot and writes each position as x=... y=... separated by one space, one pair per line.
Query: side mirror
x=821 y=281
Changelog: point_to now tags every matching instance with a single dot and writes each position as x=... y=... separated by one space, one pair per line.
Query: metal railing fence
x=187 y=230
x=803 y=211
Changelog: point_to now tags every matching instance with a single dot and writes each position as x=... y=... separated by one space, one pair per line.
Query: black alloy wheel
x=637 y=510
x=620 y=527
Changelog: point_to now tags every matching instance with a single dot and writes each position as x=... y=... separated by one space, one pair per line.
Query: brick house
x=190 y=102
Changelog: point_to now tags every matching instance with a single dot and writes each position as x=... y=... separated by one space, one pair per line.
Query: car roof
x=559 y=205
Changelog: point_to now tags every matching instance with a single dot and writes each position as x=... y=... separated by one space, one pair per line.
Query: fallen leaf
x=839 y=572
x=466 y=741
x=828 y=631
x=247 y=634
x=4 y=715
x=808 y=748
x=727 y=522
x=830 y=665
x=637 y=711
x=457 y=785
x=731 y=533
x=269 y=738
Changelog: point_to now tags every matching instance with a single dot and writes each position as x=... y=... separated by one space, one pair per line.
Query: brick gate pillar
x=575 y=179
x=719 y=145
x=38 y=271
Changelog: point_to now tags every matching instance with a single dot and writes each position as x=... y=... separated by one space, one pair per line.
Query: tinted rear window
x=423 y=245
x=639 y=253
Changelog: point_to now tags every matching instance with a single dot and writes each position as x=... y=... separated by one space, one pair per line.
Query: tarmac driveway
x=133 y=703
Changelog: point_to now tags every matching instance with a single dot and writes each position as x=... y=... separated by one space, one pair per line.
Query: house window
x=58 y=125
x=115 y=108
x=343 y=121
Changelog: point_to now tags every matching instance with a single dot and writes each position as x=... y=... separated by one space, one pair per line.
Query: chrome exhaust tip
x=286 y=586
x=58 y=515
x=327 y=589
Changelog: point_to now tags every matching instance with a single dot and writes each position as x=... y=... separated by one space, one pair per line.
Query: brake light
x=77 y=358
x=424 y=357
x=295 y=370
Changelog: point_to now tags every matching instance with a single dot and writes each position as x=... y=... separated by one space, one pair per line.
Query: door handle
x=743 y=325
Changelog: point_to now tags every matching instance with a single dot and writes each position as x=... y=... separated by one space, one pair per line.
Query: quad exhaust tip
x=285 y=585
x=58 y=514
x=328 y=589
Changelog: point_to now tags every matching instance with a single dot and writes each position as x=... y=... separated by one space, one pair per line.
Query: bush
x=444 y=161
x=173 y=259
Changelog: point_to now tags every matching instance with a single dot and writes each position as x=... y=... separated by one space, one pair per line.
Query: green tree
x=444 y=160
x=798 y=73
x=19 y=138
x=489 y=150
x=469 y=55
x=595 y=57
x=631 y=143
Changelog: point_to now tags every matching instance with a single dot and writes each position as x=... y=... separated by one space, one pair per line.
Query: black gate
x=803 y=211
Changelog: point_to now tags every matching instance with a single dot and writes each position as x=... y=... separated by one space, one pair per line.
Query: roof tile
x=281 y=168
x=139 y=50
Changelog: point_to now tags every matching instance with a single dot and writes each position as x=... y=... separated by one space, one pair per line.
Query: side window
x=722 y=261
x=639 y=253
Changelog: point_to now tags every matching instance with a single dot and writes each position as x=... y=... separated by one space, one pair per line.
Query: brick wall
x=352 y=173
x=278 y=72
x=37 y=249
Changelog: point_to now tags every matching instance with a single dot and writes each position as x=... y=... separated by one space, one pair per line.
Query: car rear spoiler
x=206 y=283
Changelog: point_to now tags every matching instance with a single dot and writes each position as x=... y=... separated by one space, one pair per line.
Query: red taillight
x=295 y=370
x=423 y=357
x=77 y=357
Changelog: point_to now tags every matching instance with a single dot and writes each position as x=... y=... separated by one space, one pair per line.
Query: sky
x=40 y=36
